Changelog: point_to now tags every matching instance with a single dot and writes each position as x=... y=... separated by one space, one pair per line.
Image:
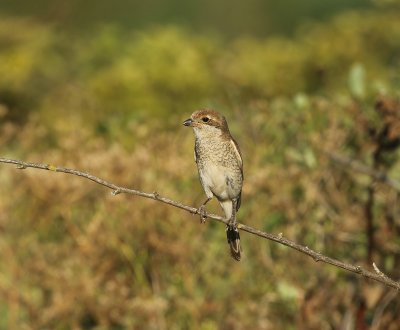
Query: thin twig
x=385 y=301
x=359 y=167
x=156 y=196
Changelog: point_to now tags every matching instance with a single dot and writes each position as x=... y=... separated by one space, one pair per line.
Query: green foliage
x=112 y=103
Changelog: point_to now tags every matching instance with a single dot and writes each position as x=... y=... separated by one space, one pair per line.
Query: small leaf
x=52 y=168
x=357 y=80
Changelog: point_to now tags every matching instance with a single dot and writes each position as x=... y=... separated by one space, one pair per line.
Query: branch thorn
x=378 y=271
x=116 y=192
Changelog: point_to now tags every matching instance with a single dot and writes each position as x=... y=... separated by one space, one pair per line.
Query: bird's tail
x=232 y=234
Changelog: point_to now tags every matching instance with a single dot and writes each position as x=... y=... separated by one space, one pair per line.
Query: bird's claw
x=202 y=213
x=232 y=223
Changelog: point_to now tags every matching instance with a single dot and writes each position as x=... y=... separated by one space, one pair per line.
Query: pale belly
x=223 y=182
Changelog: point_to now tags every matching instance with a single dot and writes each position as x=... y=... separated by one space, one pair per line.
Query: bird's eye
x=205 y=119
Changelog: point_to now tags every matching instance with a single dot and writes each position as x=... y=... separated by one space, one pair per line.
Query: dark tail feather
x=232 y=234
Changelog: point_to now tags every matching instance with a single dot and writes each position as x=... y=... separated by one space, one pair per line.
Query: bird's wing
x=240 y=162
x=238 y=154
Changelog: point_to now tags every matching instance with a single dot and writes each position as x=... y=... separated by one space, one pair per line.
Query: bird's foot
x=202 y=212
x=232 y=223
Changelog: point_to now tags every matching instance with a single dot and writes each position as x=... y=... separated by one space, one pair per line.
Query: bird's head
x=207 y=121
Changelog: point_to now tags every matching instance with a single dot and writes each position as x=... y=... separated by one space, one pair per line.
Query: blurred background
x=105 y=86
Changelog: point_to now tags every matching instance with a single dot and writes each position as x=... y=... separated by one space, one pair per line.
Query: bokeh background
x=104 y=87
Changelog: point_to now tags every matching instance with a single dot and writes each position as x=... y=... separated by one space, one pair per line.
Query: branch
x=377 y=276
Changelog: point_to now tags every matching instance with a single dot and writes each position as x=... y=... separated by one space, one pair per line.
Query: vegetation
x=112 y=103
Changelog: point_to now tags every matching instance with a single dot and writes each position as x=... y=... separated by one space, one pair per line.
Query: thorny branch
x=378 y=276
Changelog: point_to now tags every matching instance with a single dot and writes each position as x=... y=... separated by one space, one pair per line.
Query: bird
x=220 y=167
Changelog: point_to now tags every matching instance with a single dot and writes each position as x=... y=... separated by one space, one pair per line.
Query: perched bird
x=220 y=167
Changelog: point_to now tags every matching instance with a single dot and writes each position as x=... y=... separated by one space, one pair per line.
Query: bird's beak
x=188 y=122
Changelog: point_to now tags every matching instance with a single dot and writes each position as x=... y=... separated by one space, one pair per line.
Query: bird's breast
x=215 y=178
x=219 y=170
